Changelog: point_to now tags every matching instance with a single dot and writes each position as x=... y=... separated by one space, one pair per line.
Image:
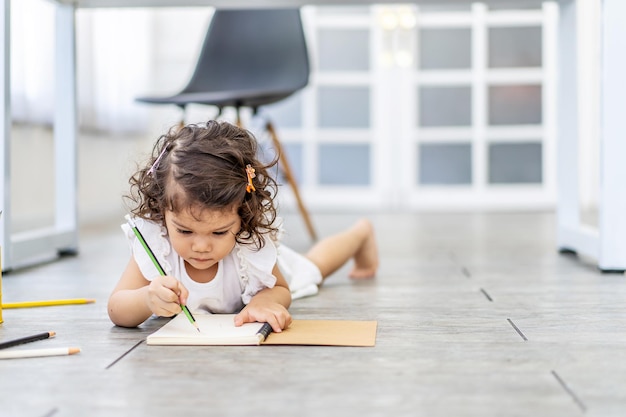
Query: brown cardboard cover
x=326 y=333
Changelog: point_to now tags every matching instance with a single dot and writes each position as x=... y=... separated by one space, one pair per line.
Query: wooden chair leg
x=238 y=121
x=291 y=179
x=183 y=117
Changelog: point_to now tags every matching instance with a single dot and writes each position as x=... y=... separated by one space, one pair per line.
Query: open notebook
x=218 y=329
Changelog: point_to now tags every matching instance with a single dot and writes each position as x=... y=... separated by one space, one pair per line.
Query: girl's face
x=202 y=237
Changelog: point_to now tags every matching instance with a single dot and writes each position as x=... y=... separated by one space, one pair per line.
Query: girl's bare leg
x=356 y=243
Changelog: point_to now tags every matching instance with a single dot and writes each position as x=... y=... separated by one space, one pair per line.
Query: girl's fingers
x=177 y=291
x=275 y=323
x=164 y=295
x=183 y=293
x=279 y=320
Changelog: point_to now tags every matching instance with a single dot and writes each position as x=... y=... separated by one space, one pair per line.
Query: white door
x=425 y=109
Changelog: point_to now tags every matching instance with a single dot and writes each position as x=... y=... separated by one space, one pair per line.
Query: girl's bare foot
x=366 y=257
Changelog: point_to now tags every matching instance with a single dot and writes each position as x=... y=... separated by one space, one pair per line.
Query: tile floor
x=478 y=315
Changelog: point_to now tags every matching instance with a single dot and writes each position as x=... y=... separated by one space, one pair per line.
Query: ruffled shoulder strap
x=155 y=236
x=254 y=268
x=278 y=235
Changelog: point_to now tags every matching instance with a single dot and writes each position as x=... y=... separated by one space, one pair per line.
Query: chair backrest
x=248 y=49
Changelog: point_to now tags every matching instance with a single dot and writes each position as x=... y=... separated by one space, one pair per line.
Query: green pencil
x=158 y=266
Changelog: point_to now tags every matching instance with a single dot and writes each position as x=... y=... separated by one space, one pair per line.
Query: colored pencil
x=33 y=353
x=158 y=266
x=46 y=303
x=27 y=339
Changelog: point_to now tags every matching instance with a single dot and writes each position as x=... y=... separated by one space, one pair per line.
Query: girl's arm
x=135 y=299
x=269 y=305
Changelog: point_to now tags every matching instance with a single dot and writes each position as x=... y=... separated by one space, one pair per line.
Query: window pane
x=512 y=163
x=515 y=47
x=515 y=105
x=445 y=106
x=347 y=107
x=445 y=164
x=286 y=113
x=344 y=164
x=427 y=7
x=293 y=152
x=343 y=50
x=445 y=48
x=344 y=10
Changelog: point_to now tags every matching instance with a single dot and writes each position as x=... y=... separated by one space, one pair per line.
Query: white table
x=606 y=243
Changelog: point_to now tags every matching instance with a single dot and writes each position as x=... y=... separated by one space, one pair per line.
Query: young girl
x=205 y=206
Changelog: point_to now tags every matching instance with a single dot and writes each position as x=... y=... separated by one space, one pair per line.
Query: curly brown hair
x=204 y=167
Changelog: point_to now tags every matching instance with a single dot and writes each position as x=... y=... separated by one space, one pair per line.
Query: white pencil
x=33 y=353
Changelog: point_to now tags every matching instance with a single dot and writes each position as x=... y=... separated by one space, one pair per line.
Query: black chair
x=250 y=58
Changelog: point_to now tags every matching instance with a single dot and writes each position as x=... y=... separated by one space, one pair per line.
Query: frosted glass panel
x=445 y=106
x=286 y=113
x=293 y=152
x=345 y=10
x=427 y=7
x=445 y=48
x=515 y=105
x=445 y=164
x=344 y=164
x=512 y=163
x=343 y=50
x=515 y=47
x=347 y=107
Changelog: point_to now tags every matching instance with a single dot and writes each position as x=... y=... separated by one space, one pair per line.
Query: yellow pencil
x=46 y=303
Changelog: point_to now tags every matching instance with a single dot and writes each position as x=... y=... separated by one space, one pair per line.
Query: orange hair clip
x=250 y=172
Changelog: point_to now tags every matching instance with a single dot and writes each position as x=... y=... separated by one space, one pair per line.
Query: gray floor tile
x=478 y=315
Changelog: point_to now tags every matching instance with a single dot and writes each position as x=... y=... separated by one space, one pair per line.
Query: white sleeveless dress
x=240 y=275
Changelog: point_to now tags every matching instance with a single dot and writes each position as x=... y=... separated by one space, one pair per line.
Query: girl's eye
x=220 y=233
x=183 y=232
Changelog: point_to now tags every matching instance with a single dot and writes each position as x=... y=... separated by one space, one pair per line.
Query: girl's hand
x=275 y=314
x=269 y=305
x=165 y=295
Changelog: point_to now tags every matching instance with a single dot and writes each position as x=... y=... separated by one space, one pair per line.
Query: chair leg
x=291 y=180
x=183 y=117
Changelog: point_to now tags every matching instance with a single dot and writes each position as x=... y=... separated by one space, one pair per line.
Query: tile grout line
x=486 y=294
x=124 y=354
x=517 y=329
x=51 y=412
x=567 y=389
x=466 y=272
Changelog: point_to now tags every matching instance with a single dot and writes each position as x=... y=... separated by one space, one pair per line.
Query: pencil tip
x=73 y=350
x=52 y=334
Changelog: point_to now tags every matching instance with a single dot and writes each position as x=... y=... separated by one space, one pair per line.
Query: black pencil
x=264 y=331
x=26 y=339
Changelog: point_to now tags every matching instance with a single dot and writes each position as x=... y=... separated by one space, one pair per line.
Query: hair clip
x=250 y=173
x=155 y=165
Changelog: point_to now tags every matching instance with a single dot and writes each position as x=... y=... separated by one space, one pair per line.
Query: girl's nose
x=202 y=244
